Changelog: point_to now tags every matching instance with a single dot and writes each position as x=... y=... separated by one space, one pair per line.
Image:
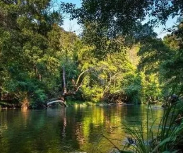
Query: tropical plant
x=168 y=138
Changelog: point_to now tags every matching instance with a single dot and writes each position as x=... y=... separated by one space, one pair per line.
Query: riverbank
x=11 y=105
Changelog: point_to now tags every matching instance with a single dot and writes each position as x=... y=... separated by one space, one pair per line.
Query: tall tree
x=24 y=46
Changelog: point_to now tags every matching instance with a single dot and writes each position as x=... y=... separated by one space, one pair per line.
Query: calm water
x=74 y=129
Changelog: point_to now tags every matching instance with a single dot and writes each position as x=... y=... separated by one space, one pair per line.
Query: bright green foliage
x=133 y=88
x=163 y=61
x=152 y=89
x=120 y=57
x=107 y=28
x=142 y=88
x=106 y=76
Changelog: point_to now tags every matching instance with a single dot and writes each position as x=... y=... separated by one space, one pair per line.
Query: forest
x=115 y=59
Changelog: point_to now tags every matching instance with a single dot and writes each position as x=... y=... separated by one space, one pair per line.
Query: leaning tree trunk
x=65 y=91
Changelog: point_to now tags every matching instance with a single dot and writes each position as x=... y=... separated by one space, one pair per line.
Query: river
x=71 y=129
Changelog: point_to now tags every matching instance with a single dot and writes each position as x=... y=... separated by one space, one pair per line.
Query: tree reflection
x=68 y=129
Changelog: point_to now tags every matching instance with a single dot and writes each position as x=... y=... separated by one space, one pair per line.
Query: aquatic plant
x=168 y=138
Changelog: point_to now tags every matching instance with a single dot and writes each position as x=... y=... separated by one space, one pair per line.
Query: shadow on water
x=68 y=129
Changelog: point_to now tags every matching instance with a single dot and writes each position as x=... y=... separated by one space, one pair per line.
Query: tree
x=172 y=68
x=167 y=8
x=25 y=49
x=110 y=15
x=163 y=59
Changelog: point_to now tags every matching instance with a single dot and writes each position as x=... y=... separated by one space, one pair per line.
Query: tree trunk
x=65 y=93
x=64 y=81
x=0 y=93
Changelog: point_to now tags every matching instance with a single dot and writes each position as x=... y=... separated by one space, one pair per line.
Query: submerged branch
x=56 y=101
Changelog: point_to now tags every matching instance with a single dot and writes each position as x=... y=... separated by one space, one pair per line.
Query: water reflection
x=68 y=129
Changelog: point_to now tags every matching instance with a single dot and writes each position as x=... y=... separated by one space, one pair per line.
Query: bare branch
x=82 y=73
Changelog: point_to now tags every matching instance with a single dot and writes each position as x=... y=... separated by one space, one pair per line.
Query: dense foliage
x=115 y=59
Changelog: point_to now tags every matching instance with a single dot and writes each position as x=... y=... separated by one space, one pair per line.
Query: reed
x=168 y=138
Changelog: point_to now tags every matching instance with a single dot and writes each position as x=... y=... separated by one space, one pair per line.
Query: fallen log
x=56 y=101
